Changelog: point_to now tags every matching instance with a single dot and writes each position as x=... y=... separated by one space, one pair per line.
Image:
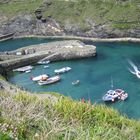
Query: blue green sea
x=94 y=74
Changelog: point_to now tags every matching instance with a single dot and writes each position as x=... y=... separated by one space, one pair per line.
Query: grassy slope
x=100 y=11
x=25 y=6
x=25 y=116
x=118 y=14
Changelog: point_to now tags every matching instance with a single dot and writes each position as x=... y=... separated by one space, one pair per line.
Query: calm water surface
x=94 y=74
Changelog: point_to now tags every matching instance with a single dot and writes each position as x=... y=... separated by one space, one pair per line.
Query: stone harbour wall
x=54 y=51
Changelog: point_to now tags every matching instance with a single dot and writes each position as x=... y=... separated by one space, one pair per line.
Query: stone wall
x=54 y=51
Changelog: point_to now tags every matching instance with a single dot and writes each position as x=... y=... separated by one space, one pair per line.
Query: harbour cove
x=94 y=74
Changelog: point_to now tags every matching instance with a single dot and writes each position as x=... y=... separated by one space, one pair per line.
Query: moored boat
x=62 y=70
x=76 y=82
x=46 y=66
x=50 y=80
x=111 y=95
x=24 y=69
x=27 y=71
x=122 y=95
x=43 y=62
x=119 y=91
x=40 y=77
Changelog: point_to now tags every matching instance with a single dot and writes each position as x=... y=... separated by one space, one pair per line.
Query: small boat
x=40 y=77
x=24 y=69
x=135 y=68
x=50 y=80
x=122 y=95
x=27 y=71
x=119 y=91
x=111 y=95
x=76 y=82
x=43 y=62
x=62 y=70
x=46 y=66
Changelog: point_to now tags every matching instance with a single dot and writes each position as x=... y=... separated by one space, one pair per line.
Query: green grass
x=1 y=77
x=126 y=25
x=97 y=10
x=78 y=12
x=27 y=117
x=13 y=8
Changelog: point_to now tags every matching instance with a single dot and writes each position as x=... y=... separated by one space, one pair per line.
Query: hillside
x=29 y=117
x=92 y=18
x=55 y=117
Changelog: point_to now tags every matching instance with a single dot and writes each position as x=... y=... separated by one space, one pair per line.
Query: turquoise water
x=94 y=74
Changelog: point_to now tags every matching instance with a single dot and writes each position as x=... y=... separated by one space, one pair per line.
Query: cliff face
x=103 y=19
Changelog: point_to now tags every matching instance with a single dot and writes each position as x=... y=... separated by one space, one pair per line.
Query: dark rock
x=43 y=20
x=25 y=24
x=1 y=86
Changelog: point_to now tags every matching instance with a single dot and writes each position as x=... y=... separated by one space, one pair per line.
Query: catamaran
x=111 y=95
x=116 y=94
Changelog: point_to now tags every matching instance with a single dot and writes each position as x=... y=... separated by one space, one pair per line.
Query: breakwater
x=54 y=51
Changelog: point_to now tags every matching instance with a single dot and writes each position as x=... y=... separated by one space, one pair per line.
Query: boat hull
x=49 y=81
x=62 y=70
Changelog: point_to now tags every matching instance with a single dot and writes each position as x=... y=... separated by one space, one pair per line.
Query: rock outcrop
x=26 y=24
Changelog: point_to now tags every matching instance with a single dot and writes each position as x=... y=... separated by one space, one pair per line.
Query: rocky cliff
x=102 y=19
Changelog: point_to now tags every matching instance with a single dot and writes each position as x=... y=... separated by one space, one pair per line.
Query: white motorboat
x=136 y=70
x=24 y=69
x=46 y=66
x=27 y=71
x=40 y=77
x=50 y=80
x=76 y=82
x=111 y=95
x=43 y=62
x=137 y=73
x=62 y=70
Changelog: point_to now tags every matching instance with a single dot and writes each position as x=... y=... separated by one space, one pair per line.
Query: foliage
x=80 y=14
x=25 y=116
x=1 y=77
x=20 y=6
x=86 y=12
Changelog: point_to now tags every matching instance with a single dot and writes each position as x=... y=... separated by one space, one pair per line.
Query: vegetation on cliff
x=11 y=8
x=24 y=116
x=122 y=14
x=118 y=13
